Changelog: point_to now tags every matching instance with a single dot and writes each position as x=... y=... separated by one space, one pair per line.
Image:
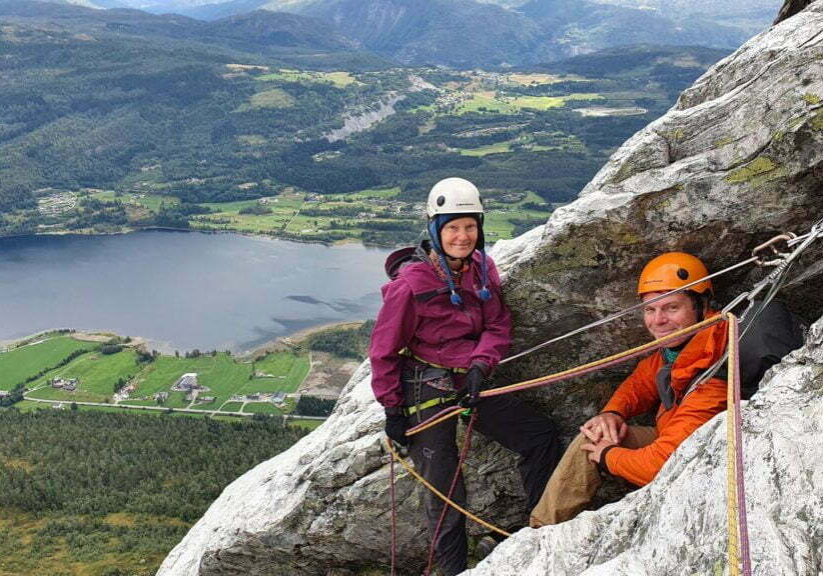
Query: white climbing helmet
x=454 y=196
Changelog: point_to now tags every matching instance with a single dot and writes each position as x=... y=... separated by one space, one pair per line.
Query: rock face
x=737 y=160
x=790 y=8
x=677 y=524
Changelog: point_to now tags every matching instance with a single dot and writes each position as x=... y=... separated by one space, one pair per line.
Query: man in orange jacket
x=660 y=381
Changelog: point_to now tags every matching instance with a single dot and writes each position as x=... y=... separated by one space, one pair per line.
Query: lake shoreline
x=245 y=233
x=233 y=292
x=298 y=337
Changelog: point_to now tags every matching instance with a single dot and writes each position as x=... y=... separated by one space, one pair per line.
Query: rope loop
x=439 y=494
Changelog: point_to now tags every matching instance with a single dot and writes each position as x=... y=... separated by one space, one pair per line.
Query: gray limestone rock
x=677 y=524
x=736 y=161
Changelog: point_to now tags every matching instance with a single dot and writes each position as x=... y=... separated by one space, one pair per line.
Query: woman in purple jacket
x=441 y=331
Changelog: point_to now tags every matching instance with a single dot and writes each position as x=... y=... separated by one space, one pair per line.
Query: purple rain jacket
x=418 y=315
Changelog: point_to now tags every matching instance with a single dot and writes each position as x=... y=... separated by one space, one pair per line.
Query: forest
x=116 y=491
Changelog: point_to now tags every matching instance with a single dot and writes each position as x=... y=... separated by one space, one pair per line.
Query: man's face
x=669 y=315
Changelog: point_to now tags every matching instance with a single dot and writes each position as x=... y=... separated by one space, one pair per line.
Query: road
x=164 y=409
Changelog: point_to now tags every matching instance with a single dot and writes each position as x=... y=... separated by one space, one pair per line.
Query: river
x=184 y=290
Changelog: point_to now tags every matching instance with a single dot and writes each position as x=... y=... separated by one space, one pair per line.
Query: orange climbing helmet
x=671 y=271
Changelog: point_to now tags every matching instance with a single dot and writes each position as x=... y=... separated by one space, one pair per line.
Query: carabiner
x=779 y=257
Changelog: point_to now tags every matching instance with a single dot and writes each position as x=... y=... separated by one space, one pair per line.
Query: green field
x=535 y=79
x=339 y=79
x=496 y=148
x=284 y=208
x=338 y=217
x=547 y=102
x=96 y=372
x=231 y=407
x=370 y=194
x=275 y=98
x=221 y=375
x=149 y=201
x=21 y=363
x=488 y=102
x=261 y=408
x=287 y=370
x=303 y=423
x=485 y=102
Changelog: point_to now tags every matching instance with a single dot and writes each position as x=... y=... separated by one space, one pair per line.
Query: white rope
x=782 y=264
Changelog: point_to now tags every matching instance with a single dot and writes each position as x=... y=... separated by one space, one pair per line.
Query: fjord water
x=184 y=290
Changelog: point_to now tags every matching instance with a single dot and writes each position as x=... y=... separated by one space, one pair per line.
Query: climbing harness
x=609 y=361
x=410 y=410
x=738 y=542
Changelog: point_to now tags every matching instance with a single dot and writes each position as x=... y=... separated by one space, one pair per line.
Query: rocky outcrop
x=790 y=8
x=737 y=160
x=677 y=524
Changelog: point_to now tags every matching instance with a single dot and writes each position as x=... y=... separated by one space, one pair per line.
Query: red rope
x=393 y=516
x=451 y=411
x=742 y=521
x=463 y=453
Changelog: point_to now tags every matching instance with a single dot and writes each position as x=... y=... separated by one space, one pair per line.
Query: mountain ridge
x=468 y=33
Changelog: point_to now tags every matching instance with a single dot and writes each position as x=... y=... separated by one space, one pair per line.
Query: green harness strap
x=410 y=354
x=409 y=410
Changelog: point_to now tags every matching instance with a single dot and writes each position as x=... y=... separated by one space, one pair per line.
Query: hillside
x=463 y=33
x=469 y=33
x=456 y=33
x=111 y=493
x=116 y=120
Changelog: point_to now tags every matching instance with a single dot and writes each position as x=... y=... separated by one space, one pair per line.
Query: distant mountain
x=458 y=33
x=465 y=33
x=641 y=60
x=215 y=10
x=582 y=26
x=263 y=28
x=488 y=33
x=93 y=97
x=709 y=8
x=290 y=36
x=748 y=16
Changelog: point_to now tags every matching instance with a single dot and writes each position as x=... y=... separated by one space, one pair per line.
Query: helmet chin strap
x=483 y=293
x=450 y=259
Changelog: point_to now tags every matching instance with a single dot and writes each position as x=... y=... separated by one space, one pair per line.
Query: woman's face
x=459 y=237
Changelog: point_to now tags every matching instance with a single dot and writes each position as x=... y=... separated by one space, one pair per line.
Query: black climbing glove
x=470 y=394
x=396 y=426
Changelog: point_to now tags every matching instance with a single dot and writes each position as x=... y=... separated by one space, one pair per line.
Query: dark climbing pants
x=435 y=454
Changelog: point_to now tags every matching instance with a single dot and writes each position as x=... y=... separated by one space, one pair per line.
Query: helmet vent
x=441 y=200
x=682 y=273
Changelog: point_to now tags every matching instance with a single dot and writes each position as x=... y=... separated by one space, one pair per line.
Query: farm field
x=339 y=79
x=21 y=363
x=148 y=380
x=96 y=372
x=339 y=217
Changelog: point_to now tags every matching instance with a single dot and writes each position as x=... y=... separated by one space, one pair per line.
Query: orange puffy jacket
x=638 y=394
